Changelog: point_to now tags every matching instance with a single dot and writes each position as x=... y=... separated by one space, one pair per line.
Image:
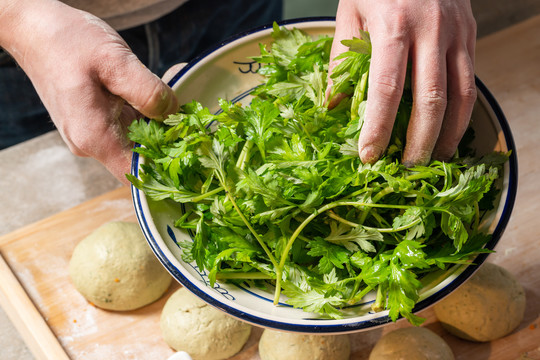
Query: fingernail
x=370 y=153
x=421 y=159
x=441 y=155
x=172 y=106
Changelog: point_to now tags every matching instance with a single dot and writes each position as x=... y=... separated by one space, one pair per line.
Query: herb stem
x=378 y=305
x=309 y=137
x=221 y=177
x=243 y=157
x=356 y=298
x=301 y=227
x=376 y=198
x=243 y=275
x=335 y=216
x=208 y=194
x=476 y=216
x=252 y=230
x=358 y=97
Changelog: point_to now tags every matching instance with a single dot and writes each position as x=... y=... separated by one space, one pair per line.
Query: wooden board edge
x=26 y=318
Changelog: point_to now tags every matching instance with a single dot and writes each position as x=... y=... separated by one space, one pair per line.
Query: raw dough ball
x=191 y=325
x=115 y=269
x=413 y=343
x=279 y=345
x=490 y=305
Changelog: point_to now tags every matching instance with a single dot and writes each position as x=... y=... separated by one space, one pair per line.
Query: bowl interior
x=228 y=73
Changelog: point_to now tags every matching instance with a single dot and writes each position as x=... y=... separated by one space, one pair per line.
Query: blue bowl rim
x=332 y=328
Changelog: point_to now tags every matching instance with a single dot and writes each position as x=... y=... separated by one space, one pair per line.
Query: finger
x=104 y=138
x=461 y=99
x=347 y=26
x=142 y=89
x=118 y=154
x=172 y=71
x=386 y=78
x=118 y=162
x=429 y=103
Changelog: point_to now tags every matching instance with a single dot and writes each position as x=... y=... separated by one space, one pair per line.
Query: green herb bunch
x=276 y=195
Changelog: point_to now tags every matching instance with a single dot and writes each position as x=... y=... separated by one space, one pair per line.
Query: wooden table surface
x=508 y=62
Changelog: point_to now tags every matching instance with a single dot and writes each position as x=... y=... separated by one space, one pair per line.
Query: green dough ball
x=414 y=343
x=490 y=305
x=115 y=269
x=278 y=345
x=205 y=333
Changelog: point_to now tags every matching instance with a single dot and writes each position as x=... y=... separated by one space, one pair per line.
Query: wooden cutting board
x=39 y=254
x=57 y=323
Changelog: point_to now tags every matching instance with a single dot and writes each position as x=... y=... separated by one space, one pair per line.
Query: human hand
x=91 y=83
x=438 y=38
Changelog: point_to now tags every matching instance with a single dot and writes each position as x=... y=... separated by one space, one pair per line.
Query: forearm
x=85 y=75
x=26 y=25
x=15 y=25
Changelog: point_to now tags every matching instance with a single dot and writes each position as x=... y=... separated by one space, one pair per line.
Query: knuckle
x=468 y=93
x=152 y=101
x=396 y=26
x=436 y=17
x=75 y=149
x=83 y=146
x=111 y=62
x=388 y=87
x=107 y=59
x=433 y=96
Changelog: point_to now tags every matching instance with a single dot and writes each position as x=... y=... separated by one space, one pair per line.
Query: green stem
x=207 y=194
x=335 y=216
x=309 y=137
x=418 y=176
x=476 y=217
x=376 y=198
x=356 y=298
x=221 y=177
x=321 y=210
x=248 y=225
x=244 y=275
x=301 y=227
x=357 y=192
x=383 y=230
x=243 y=157
x=379 y=303
x=358 y=96
x=379 y=218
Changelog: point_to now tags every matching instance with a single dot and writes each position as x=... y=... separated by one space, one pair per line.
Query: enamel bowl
x=227 y=72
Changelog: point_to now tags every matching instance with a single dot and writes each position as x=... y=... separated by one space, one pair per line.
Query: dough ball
x=279 y=345
x=412 y=343
x=490 y=305
x=115 y=269
x=191 y=325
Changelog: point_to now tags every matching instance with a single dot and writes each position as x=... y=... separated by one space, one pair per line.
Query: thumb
x=141 y=88
x=172 y=71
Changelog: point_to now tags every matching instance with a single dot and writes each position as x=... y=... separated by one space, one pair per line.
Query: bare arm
x=91 y=83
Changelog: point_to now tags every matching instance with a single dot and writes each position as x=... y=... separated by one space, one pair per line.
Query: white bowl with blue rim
x=227 y=72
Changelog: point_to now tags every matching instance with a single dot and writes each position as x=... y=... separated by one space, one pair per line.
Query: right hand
x=91 y=83
x=437 y=37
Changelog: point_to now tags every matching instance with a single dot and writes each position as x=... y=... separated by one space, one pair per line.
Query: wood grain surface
x=508 y=62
